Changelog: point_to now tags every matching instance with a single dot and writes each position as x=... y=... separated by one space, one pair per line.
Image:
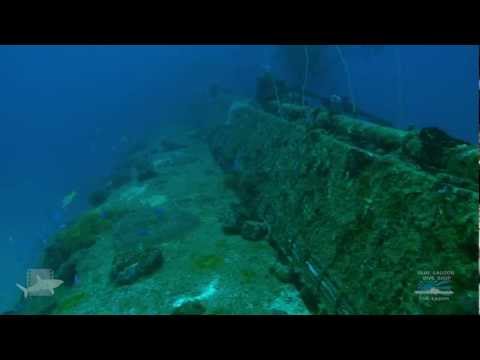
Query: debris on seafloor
x=132 y=264
x=207 y=292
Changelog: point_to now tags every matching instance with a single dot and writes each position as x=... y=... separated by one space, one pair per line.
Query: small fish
x=334 y=98
x=159 y=213
x=76 y=280
x=143 y=232
x=237 y=165
x=68 y=199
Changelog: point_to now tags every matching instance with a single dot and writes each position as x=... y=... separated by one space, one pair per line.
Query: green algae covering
x=369 y=219
x=279 y=210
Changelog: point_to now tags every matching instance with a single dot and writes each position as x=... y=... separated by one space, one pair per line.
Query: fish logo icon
x=40 y=286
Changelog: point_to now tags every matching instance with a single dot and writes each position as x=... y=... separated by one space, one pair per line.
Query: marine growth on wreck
x=282 y=201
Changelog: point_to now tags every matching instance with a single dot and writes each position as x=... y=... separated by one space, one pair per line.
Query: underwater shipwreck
x=276 y=206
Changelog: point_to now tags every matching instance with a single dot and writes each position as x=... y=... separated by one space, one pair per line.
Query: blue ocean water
x=65 y=112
